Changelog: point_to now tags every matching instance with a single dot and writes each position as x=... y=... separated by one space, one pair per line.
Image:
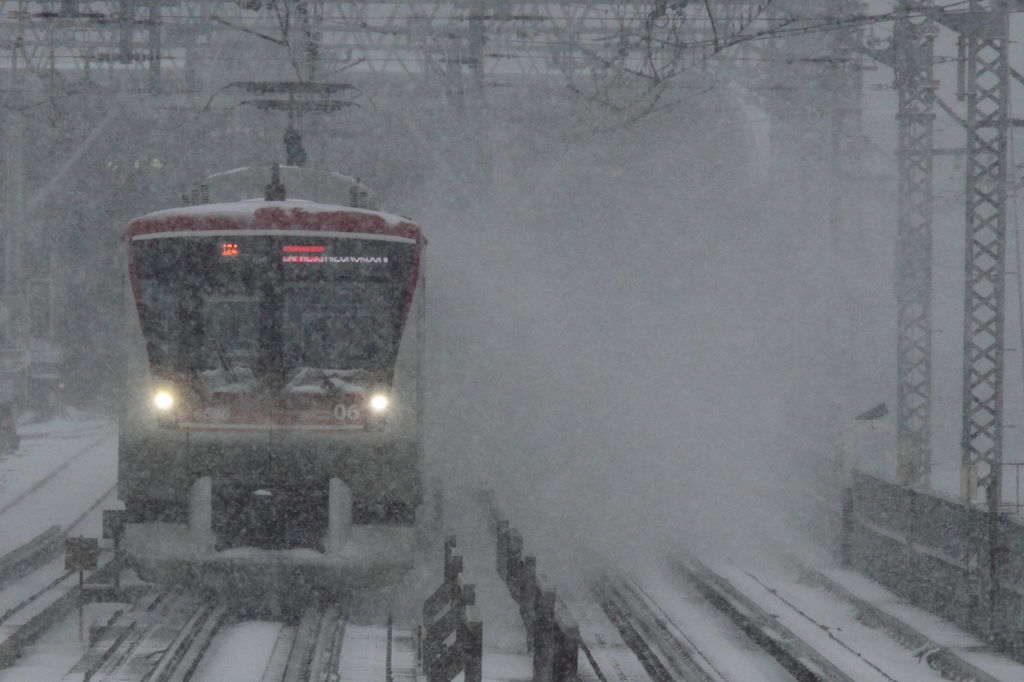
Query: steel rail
x=190 y=646
x=670 y=635
x=161 y=637
x=799 y=658
x=93 y=445
x=665 y=655
x=32 y=598
x=35 y=627
x=278 y=661
x=31 y=555
x=317 y=644
x=35 y=554
x=940 y=658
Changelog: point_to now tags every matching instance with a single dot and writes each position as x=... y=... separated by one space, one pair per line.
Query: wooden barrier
x=451 y=640
x=551 y=633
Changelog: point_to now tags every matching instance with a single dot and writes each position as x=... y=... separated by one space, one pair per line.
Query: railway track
x=36 y=591
x=156 y=634
x=174 y=636
x=98 y=442
x=796 y=636
x=664 y=650
x=309 y=650
x=701 y=646
x=167 y=634
x=801 y=659
x=954 y=657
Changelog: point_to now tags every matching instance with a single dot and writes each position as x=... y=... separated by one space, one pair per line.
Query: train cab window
x=267 y=312
x=340 y=325
x=231 y=324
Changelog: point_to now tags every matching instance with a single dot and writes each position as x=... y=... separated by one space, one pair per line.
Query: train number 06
x=346 y=413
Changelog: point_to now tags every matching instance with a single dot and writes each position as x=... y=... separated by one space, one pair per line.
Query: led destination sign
x=296 y=253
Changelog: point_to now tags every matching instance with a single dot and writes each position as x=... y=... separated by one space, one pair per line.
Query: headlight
x=379 y=403
x=163 y=400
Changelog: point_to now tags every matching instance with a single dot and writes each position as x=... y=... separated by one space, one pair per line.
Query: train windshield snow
x=259 y=305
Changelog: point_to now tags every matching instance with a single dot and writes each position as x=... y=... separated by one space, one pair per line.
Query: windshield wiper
x=224 y=362
x=328 y=384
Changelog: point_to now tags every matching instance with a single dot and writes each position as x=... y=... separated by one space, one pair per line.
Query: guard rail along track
x=551 y=632
x=451 y=639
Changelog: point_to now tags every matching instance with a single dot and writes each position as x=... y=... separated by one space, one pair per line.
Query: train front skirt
x=354 y=557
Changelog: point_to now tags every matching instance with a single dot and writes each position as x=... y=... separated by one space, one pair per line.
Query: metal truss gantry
x=842 y=79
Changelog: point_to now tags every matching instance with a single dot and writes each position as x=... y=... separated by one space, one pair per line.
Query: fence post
x=434 y=631
x=543 y=643
x=465 y=595
x=846 y=529
x=995 y=559
x=515 y=564
x=976 y=580
x=501 y=545
x=565 y=654
x=450 y=570
x=528 y=600
x=914 y=586
x=472 y=645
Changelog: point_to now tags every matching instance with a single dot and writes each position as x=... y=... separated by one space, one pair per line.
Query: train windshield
x=248 y=305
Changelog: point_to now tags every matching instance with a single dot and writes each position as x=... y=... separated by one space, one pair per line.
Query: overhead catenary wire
x=784 y=26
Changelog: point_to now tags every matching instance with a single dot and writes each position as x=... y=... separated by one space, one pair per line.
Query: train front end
x=273 y=439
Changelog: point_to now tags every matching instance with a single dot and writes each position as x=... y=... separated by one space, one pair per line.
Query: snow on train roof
x=262 y=215
x=248 y=207
x=314 y=184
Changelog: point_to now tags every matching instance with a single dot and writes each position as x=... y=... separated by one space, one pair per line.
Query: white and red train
x=273 y=436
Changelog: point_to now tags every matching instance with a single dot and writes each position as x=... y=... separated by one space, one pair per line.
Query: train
x=270 y=432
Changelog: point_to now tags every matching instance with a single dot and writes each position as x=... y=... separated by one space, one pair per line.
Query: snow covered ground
x=62 y=475
x=62 y=468
x=830 y=625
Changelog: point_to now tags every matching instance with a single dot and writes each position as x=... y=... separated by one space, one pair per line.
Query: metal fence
x=1013 y=477
x=960 y=562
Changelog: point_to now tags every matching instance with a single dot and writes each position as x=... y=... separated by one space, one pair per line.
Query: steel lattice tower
x=912 y=56
x=987 y=79
x=842 y=77
x=844 y=81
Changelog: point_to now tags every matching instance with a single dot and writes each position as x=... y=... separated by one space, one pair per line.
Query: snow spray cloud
x=628 y=332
